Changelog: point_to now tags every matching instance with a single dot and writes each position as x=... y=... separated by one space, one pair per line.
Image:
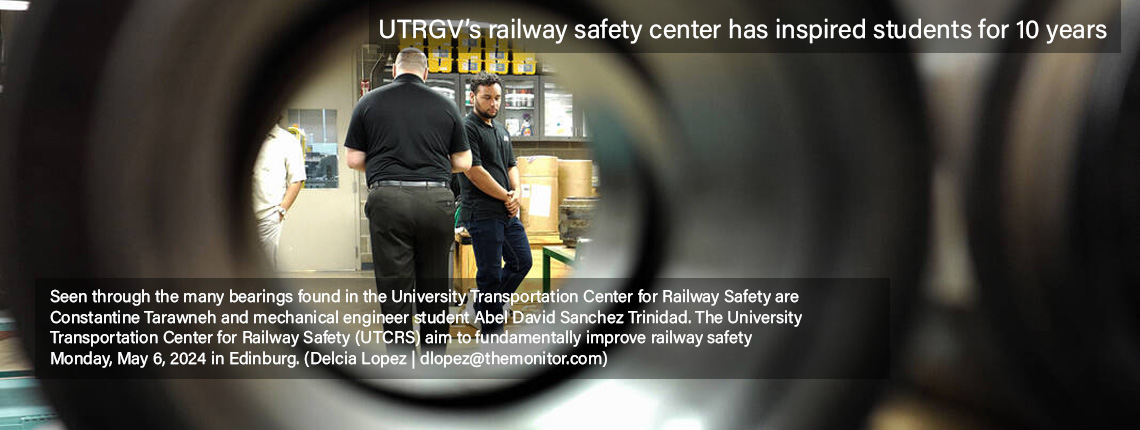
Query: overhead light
x=13 y=5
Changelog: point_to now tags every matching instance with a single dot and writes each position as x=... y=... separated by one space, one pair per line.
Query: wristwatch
x=281 y=211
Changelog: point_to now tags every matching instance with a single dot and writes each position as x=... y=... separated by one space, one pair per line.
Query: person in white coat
x=278 y=176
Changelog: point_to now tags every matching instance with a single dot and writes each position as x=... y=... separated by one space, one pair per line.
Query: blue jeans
x=494 y=242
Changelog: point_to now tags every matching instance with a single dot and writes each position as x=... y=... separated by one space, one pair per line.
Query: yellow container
x=439 y=52
x=493 y=43
x=499 y=67
x=443 y=41
x=498 y=54
x=497 y=61
x=440 y=65
x=522 y=61
x=470 y=62
x=414 y=42
x=523 y=67
x=467 y=43
x=439 y=59
x=420 y=47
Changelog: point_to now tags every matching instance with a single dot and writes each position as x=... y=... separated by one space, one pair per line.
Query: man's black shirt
x=490 y=148
x=408 y=132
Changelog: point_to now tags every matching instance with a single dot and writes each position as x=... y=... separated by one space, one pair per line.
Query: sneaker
x=469 y=311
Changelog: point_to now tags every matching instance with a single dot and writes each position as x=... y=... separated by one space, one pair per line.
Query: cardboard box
x=539 y=194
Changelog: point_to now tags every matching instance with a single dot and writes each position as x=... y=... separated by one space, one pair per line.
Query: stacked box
x=439 y=41
x=539 y=194
x=417 y=43
x=470 y=53
x=466 y=43
x=523 y=68
x=500 y=67
x=497 y=60
x=523 y=63
x=497 y=56
x=470 y=62
x=494 y=43
x=439 y=55
x=439 y=60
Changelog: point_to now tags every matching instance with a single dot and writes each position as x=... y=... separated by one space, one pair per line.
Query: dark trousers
x=411 y=231
x=495 y=242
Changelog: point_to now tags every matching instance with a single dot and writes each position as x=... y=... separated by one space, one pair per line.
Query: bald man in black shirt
x=408 y=139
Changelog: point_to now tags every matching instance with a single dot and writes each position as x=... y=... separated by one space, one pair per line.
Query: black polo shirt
x=490 y=148
x=407 y=131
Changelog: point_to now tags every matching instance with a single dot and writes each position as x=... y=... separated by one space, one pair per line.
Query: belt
x=406 y=184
